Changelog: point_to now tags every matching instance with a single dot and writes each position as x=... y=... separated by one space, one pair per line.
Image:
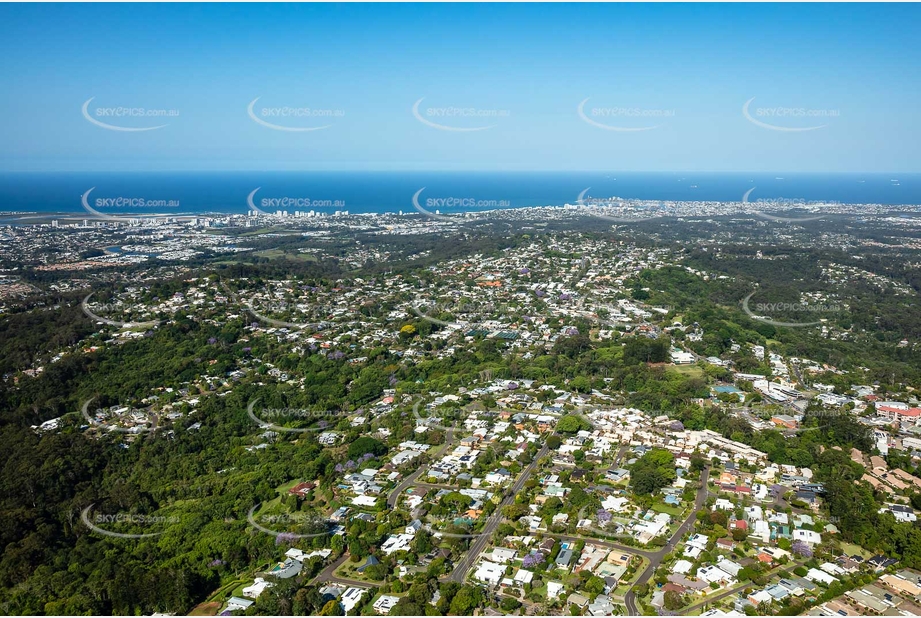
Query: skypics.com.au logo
x=105 y=308
x=428 y=422
x=783 y=204
x=118 y=419
x=453 y=118
x=120 y=118
x=463 y=309
x=288 y=526
x=819 y=308
x=134 y=202
x=616 y=210
x=247 y=305
x=822 y=421
x=461 y=527
x=623 y=119
x=269 y=206
x=468 y=207
x=291 y=119
x=107 y=523
x=788 y=119
x=316 y=420
x=283 y=307
x=125 y=202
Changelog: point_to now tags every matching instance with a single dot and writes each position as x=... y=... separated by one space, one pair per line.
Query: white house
x=712 y=574
x=296 y=554
x=807 y=536
x=832 y=568
x=762 y=530
x=523 y=576
x=385 y=603
x=364 y=500
x=614 y=504
x=350 y=598
x=257 y=588
x=729 y=566
x=815 y=575
x=397 y=542
x=489 y=572
x=503 y=555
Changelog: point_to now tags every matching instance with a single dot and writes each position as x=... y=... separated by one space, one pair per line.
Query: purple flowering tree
x=801 y=548
x=532 y=560
x=285 y=538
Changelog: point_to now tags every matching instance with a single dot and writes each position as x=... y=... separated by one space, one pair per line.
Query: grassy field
x=214 y=603
x=224 y=591
x=348 y=570
x=208 y=608
x=687 y=370
x=852 y=549
x=274 y=254
x=284 y=487
x=270 y=254
x=661 y=507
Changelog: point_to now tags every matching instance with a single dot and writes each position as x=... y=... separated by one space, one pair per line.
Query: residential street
x=656 y=558
x=408 y=481
x=480 y=543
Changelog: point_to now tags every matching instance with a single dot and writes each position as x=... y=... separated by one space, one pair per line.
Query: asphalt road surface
x=399 y=489
x=480 y=542
x=656 y=559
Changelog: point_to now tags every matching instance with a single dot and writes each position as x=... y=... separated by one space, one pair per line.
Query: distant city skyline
x=819 y=88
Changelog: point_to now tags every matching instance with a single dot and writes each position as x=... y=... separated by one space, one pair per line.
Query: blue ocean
x=379 y=192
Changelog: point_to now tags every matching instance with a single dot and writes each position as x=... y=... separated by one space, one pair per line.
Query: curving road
x=395 y=493
x=620 y=455
x=656 y=558
x=399 y=489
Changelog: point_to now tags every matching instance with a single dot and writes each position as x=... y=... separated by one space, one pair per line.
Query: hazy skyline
x=661 y=87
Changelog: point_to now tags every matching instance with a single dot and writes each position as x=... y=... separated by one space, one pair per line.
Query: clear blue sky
x=371 y=63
